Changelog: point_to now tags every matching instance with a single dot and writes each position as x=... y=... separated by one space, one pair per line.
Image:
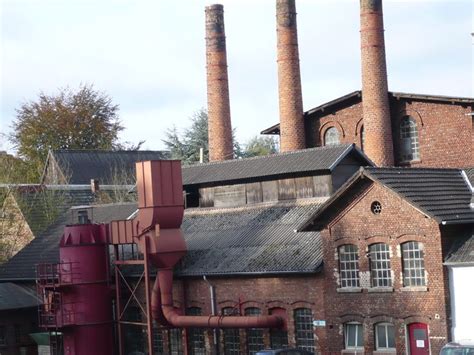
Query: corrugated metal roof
x=16 y=297
x=260 y=239
x=470 y=175
x=81 y=166
x=301 y=161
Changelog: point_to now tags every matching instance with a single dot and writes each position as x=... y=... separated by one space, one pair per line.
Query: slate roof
x=462 y=253
x=251 y=240
x=357 y=96
x=44 y=248
x=470 y=175
x=83 y=165
x=301 y=161
x=16 y=297
x=441 y=193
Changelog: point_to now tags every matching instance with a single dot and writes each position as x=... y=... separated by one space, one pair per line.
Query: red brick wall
x=445 y=131
x=397 y=223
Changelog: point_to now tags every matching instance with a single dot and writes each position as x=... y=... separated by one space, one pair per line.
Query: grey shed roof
x=251 y=240
x=83 y=165
x=470 y=175
x=462 y=253
x=301 y=161
x=16 y=297
x=45 y=247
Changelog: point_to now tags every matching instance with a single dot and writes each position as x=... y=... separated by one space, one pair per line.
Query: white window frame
x=380 y=257
x=418 y=262
x=385 y=325
x=346 y=335
x=348 y=266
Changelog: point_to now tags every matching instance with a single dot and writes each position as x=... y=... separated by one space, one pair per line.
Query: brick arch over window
x=304 y=332
x=328 y=125
x=409 y=140
x=409 y=237
x=359 y=132
x=416 y=318
x=346 y=318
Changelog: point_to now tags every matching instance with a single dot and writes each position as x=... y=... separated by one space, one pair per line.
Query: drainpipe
x=212 y=291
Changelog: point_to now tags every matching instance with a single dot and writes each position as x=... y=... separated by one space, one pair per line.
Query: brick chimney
x=292 y=131
x=218 y=107
x=378 y=143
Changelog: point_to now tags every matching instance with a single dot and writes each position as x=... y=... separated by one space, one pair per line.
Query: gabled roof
x=470 y=175
x=356 y=96
x=44 y=248
x=16 y=297
x=302 y=161
x=251 y=240
x=462 y=252
x=442 y=194
x=80 y=166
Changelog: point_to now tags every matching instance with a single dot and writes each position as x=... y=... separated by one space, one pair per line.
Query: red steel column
x=292 y=130
x=378 y=143
x=218 y=106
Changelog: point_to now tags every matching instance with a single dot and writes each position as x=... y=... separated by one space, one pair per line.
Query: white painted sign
x=420 y=343
x=319 y=323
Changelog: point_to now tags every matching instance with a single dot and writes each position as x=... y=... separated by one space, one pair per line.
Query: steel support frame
x=121 y=309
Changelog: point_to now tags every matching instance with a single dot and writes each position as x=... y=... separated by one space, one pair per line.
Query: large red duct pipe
x=157 y=226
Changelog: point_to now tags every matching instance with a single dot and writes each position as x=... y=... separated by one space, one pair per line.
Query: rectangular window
x=195 y=335
x=380 y=269
x=353 y=336
x=254 y=335
x=304 y=331
x=349 y=266
x=413 y=264
x=176 y=341
x=385 y=336
x=157 y=340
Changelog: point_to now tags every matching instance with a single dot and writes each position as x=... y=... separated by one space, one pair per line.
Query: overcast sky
x=149 y=55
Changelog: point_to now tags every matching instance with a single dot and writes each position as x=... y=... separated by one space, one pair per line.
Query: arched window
x=413 y=264
x=349 y=265
x=409 y=143
x=362 y=137
x=254 y=335
x=353 y=336
x=331 y=136
x=384 y=336
x=231 y=336
x=278 y=337
x=304 y=330
x=195 y=335
x=380 y=270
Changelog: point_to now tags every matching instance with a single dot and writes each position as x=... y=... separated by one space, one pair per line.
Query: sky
x=149 y=56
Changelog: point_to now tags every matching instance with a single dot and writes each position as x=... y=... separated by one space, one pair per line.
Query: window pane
x=351 y=335
x=391 y=336
x=231 y=336
x=380 y=265
x=331 y=137
x=254 y=335
x=360 y=336
x=304 y=332
x=381 y=337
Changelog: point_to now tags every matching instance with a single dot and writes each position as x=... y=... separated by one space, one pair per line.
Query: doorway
x=418 y=340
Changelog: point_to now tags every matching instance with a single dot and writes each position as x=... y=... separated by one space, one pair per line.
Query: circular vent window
x=376 y=207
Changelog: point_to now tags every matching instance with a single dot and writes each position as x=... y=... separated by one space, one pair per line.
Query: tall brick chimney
x=292 y=131
x=218 y=107
x=378 y=144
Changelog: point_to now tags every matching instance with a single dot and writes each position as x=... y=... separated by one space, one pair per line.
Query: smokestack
x=292 y=131
x=218 y=107
x=378 y=144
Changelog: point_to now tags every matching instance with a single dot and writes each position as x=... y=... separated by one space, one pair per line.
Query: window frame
x=408 y=129
x=348 y=266
x=333 y=134
x=376 y=266
x=232 y=347
x=346 y=335
x=196 y=341
x=418 y=264
x=304 y=331
x=376 y=333
x=254 y=333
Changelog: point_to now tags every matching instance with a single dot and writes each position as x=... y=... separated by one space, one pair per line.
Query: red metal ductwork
x=156 y=230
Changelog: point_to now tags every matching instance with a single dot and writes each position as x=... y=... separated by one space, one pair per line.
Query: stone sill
x=349 y=290
x=380 y=289
x=384 y=352
x=414 y=289
x=354 y=351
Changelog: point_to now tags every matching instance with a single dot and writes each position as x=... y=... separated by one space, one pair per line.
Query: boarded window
x=254 y=193
x=304 y=187
x=286 y=189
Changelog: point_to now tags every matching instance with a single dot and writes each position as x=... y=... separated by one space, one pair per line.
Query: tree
x=186 y=146
x=258 y=146
x=82 y=119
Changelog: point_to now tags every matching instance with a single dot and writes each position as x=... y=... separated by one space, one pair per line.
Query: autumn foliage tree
x=82 y=119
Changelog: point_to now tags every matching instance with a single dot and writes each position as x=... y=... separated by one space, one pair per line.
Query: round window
x=376 y=207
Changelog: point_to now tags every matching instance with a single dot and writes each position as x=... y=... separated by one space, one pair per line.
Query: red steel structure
x=81 y=306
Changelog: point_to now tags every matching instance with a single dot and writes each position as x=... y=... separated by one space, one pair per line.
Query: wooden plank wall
x=266 y=191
